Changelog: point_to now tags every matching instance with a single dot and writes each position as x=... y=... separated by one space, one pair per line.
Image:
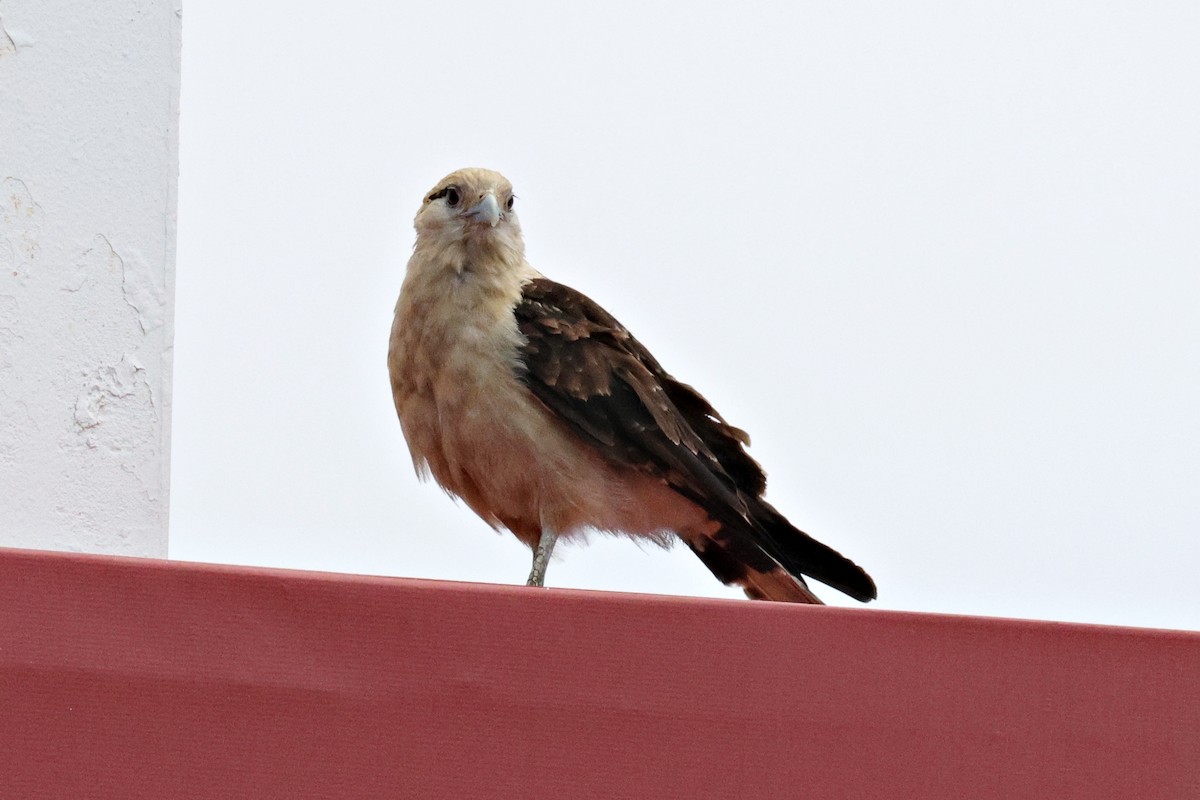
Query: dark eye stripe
x=441 y=194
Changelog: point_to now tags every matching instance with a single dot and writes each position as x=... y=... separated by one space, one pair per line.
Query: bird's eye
x=508 y=206
x=450 y=193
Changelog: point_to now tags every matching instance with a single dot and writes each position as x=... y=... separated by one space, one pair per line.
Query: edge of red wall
x=141 y=678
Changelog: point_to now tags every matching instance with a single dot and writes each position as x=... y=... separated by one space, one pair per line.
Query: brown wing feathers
x=587 y=368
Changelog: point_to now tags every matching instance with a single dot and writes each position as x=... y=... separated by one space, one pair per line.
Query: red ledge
x=132 y=678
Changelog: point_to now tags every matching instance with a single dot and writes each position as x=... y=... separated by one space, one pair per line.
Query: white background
x=942 y=262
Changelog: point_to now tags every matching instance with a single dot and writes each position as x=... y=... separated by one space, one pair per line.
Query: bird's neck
x=462 y=295
x=469 y=271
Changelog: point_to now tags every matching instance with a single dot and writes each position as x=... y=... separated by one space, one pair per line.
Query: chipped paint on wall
x=87 y=251
x=106 y=390
x=7 y=45
x=143 y=290
x=111 y=411
x=20 y=225
x=9 y=331
x=95 y=265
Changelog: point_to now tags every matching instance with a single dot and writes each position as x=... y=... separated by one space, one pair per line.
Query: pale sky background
x=942 y=262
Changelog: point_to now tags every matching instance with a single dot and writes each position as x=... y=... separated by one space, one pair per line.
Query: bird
x=543 y=414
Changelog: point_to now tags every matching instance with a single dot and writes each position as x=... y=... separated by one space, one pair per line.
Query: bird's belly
x=487 y=439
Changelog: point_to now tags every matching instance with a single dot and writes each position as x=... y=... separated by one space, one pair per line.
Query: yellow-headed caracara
x=536 y=407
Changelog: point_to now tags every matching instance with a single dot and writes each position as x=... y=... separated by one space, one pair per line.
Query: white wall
x=89 y=109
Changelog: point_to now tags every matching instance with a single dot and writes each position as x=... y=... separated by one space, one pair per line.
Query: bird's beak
x=486 y=210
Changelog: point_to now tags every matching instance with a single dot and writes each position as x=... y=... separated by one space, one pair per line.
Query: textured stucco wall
x=89 y=112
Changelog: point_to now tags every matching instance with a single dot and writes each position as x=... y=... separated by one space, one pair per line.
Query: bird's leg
x=541 y=556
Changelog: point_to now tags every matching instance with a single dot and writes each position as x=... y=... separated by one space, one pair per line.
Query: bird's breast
x=472 y=425
x=468 y=420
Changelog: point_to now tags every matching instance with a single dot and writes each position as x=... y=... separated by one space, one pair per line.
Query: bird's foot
x=541 y=557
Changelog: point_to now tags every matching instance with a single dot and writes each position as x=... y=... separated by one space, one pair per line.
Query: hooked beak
x=487 y=210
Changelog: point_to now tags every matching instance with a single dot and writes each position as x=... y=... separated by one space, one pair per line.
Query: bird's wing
x=594 y=375
x=587 y=368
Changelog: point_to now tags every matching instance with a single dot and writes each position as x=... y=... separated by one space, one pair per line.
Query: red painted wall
x=127 y=678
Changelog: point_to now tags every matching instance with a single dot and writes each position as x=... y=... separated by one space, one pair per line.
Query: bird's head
x=470 y=210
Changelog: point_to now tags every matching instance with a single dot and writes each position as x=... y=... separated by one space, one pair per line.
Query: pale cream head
x=471 y=207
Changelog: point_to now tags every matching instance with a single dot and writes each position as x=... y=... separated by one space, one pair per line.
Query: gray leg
x=541 y=556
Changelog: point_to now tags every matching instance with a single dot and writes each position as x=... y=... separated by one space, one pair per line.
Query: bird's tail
x=777 y=585
x=799 y=553
x=768 y=557
x=736 y=561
